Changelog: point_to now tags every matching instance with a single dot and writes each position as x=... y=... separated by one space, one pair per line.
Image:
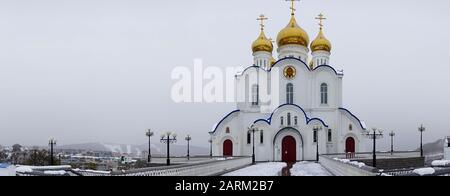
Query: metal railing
x=216 y=166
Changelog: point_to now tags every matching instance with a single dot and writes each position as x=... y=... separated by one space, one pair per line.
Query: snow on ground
x=441 y=163
x=424 y=171
x=8 y=171
x=309 y=169
x=262 y=169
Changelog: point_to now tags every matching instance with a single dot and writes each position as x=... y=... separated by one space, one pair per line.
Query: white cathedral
x=309 y=114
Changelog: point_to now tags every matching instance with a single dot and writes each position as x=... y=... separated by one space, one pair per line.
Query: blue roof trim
x=220 y=122
x=253 y=66
x=327 y=66
x=351 y=114
x=308 y=120
x=318 y=119
x=291 y=58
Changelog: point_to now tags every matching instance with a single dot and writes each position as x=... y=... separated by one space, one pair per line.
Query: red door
x=350 y=146
x=227 y=148
x=289 y=150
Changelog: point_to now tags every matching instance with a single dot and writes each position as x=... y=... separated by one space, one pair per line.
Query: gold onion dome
x=293 y=34
x=262 y=44
x=321 y=43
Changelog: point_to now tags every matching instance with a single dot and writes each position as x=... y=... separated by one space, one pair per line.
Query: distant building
x=447 y=148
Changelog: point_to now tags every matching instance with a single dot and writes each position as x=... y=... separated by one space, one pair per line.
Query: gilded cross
x=292 y=6
x=321 y=18
x=261 y=19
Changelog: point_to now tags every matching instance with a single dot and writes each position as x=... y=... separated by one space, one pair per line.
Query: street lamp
x=316 y=129
x=51 y=143
x=421 y=130
x=168 y=138
x=253 y=129
x=392 y=135
x=149 y=134
x=375 y=136
x=188 y=139
x=210 y=148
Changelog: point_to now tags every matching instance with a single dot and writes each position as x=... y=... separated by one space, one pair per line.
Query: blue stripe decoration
x=220 y=122
x=351 y=114
x=292 y=58
x=308 y=120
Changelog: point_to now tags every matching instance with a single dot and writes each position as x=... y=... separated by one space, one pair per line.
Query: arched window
x=249 y=138
x=350 y=127
x=296 y=121
x=289 y=119
x=255 y=95
x=227 y=130
x=261 y=137
x=330 y=135
x=290 y=93
x=282 y=121
x=323 y=93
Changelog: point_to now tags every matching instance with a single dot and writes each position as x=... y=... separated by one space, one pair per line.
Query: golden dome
x=321 y=43
x=293 y=34
x=262 y=44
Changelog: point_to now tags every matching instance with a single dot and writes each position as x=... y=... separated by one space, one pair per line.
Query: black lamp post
x=51 y=143
x=188 y=139
x=316 y=130
x=375 y=136
x=210 y=148
x=168 y=138
x=421 y=130
x=149 y=134
x=392 y=135
x=253 y=129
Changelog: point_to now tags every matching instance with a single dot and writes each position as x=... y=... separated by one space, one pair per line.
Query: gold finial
x=292 y=6
x=321 y=18
x=261 y=19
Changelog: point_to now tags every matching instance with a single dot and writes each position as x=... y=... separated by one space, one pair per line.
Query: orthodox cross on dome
x=261 y=19
x=293 y=6
x=321 y=18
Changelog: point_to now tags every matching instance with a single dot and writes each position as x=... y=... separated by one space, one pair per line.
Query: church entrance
x=227 y=148
x=350 y=147
x=289 y=149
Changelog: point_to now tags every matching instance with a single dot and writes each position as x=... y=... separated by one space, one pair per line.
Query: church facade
x=307 y=113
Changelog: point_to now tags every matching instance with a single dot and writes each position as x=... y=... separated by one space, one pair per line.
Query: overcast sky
x=99 y=70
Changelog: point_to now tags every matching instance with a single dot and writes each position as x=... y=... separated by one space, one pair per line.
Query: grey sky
x=99 y=70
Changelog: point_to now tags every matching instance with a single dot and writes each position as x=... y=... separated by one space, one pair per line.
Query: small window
x=289 y=119
x=227 y=130
x=255 y=95
x=282 y=121
x=315 y=136
x=350 y=127
x=261 y=137
x=249 y=138
x=324 y=93
x=296 y=121
x=330 y=135
x=290 y=93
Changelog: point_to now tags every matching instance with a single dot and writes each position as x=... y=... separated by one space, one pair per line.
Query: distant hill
x=433 y=148
x=157 y=149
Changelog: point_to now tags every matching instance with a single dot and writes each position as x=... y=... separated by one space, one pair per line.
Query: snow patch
x=61 y=172
x=309 y=169
x=262 y=169
x=424 y=171
x=441 y=163
x=354 y=163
